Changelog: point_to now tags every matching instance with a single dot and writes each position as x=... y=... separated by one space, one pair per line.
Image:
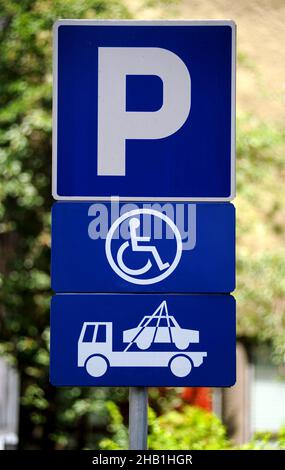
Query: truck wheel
x=180 y=366
x=96 y=366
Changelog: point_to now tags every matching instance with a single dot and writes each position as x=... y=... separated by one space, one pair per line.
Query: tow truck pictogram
x=96 y=354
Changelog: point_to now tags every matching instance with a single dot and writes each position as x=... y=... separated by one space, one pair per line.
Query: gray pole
x=138 y=399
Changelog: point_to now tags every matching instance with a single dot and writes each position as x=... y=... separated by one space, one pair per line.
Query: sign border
x=74 y=22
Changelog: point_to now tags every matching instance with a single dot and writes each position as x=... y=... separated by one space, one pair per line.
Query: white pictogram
x=96 y=353
x=138 y=244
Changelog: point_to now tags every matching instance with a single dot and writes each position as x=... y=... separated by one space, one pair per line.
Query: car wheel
x=181 y=344
x=143 y=344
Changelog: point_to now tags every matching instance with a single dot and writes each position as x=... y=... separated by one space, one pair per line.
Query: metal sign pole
x=138 y=400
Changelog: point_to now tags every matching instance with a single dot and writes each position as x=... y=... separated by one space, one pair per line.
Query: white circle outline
x=132 y=213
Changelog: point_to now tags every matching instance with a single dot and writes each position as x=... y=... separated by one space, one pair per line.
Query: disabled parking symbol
x=139 y=246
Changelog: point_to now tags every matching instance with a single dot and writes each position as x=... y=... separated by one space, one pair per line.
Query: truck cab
x=95 y=338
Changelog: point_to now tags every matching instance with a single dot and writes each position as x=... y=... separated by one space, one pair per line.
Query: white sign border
x=74 y=22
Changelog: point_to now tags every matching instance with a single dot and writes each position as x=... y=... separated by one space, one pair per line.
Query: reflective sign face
x=161 y=247
x=144 y=110
x=143 y=340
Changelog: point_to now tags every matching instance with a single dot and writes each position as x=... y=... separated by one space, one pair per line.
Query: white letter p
x=115 y=124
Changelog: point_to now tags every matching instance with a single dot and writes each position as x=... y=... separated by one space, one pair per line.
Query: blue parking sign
x=144 y=110
x=143 y=340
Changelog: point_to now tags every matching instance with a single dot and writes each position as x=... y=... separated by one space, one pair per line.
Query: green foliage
x=190 y=428
x=266 y=441
x=261 y=233
x=118 y=429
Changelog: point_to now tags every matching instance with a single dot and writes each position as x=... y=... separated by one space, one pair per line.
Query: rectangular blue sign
x=167 y=247
x=143 y=340
x=144 y=110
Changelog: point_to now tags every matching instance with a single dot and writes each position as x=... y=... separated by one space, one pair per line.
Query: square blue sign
x=144 y=110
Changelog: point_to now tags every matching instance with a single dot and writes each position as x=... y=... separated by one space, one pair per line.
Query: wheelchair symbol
x=142 y=244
